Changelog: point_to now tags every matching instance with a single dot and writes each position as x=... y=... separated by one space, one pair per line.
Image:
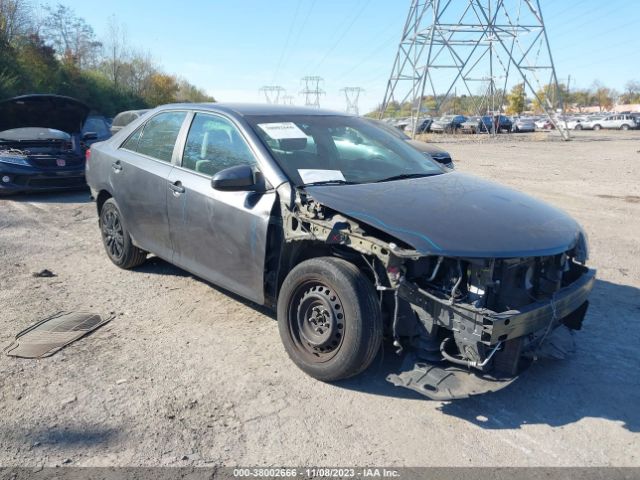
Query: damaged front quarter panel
x=466 y=325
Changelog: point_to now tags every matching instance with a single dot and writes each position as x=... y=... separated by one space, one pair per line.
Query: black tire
x=624 y=127
x=329 y=318
x=597 y=127
x=578 y=127
x=117 y=241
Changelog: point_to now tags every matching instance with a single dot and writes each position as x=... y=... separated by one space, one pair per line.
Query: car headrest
x=292 y=144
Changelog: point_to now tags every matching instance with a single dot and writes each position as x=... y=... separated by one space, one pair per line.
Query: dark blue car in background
x=41 y=144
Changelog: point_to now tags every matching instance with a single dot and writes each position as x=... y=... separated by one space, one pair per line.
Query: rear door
x=218 y=235
x=139 y=176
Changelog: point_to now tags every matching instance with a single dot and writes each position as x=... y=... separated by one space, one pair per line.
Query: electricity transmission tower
x=352 y=95
x=287 y=100
x=272 y=93
x=478 y=47
x=311 y=90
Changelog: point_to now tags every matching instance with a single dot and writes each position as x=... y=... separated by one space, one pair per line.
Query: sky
x=232 y=48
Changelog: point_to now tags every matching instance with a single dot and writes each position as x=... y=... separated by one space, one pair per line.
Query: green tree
x=631 y=93
x=516 y=100
x=603 y=96
x=71 y=36
x=162 y=89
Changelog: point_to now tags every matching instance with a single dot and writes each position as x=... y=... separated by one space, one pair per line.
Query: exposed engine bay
x=465 y=325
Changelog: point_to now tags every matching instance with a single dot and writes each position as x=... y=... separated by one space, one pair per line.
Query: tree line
x=55 y=51
x=516 y=101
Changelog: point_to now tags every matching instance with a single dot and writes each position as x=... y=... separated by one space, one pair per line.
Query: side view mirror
x=238 y=178
x=89 y=136
x=445 y=163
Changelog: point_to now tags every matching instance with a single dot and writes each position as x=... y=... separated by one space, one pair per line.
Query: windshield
x=314 y=149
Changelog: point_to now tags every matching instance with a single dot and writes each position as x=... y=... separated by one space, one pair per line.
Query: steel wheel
x=316 y=321
x=113 y=233
x=329 y=318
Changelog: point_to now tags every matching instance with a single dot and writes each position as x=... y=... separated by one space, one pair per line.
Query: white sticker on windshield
x=311 y=176
x=279 y=131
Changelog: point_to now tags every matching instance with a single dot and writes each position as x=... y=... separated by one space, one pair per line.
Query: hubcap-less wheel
x=113 y=233
x=316 y=321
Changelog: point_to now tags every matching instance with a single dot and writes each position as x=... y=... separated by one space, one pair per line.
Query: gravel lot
x=187 y=374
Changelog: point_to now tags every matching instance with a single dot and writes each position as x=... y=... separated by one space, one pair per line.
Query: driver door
x=220 y=236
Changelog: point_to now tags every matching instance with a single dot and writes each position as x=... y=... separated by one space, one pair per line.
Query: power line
x=340 y=37
x=286 y=43
x=302 y=26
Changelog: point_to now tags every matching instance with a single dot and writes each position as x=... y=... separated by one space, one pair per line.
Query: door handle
x=177 y=187
x=117 y=167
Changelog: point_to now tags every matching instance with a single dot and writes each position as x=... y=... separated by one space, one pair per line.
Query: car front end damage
x=466 y=325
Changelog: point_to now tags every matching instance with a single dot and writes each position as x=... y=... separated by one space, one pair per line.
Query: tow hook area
x=440 y=382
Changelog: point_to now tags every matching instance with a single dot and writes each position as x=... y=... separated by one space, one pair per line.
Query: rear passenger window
x=158 y=137
x=132 y=141
x=214 y=144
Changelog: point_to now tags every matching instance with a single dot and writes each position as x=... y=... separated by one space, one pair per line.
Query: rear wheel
x=597 y=127
x=117 y=241
x=625 y=127
x=578 y=127
x=329 y=319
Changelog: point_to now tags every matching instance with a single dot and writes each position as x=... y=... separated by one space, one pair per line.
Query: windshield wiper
x=329 y=182
x=403 y=176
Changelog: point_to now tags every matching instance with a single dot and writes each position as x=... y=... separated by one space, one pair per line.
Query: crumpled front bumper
x=443 y=381
x=499 y=327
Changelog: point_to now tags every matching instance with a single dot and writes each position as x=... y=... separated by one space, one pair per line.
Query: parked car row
x=516 y=124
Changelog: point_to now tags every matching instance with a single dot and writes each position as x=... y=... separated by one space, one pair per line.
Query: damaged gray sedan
x=352 y=235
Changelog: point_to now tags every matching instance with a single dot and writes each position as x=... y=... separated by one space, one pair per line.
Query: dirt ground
x=187 y=374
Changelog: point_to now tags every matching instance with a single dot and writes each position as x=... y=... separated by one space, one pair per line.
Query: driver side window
x=213 y=144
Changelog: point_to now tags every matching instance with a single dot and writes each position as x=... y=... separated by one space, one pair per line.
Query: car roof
x=250 y=109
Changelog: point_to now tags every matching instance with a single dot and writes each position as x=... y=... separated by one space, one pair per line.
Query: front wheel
x=578 y=127
x=597 y=127
x=117 y=241
x=329 y=318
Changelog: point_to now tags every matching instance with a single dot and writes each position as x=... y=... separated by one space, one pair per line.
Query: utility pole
x=272 y=93
x=311 y=90
x=352 y=95
x=457 y=44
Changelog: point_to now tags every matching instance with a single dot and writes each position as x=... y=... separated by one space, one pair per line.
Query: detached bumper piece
x=441 y=382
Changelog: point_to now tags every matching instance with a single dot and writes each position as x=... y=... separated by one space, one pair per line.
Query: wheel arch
x=102 y=197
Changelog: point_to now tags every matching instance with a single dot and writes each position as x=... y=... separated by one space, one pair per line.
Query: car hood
x=456 y=215
x=427 y=148
x=49 y=111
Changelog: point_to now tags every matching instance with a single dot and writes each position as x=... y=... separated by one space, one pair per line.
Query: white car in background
x=575 y=123
x=619 y=122
x=589 y=123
